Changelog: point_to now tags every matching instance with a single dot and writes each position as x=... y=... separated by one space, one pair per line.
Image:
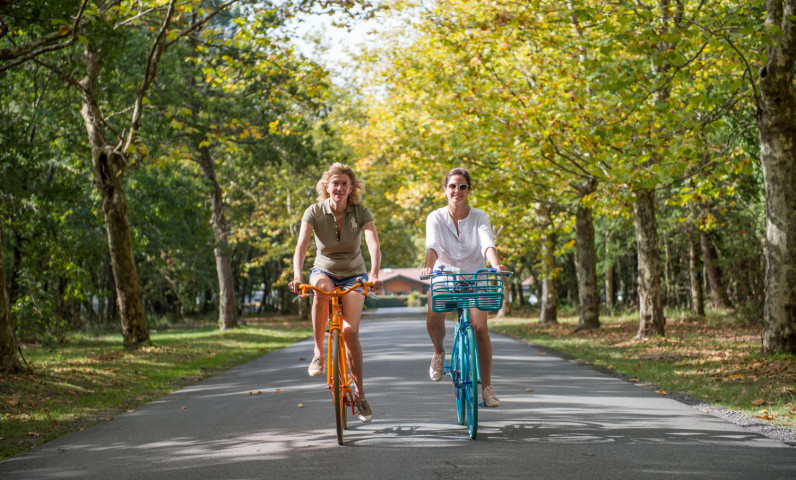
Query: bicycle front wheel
x=337 y=386
x=470 y=378
x=457 y=378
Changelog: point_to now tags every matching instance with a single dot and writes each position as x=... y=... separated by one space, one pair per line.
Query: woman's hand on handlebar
x=293 y=286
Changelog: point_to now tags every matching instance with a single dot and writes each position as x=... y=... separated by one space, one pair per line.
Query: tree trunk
x=651 y=319
x=226 y=285
x=610 y=290
x=694 y=268
x=586 y=269
x=777 y=124
x=712 y=268
x=9 y=359
x=549 y=300
x=109 y=166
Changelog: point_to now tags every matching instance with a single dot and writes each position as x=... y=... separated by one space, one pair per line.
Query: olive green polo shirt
x=339 y=255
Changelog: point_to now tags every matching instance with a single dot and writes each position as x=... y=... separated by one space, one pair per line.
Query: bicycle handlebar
x=505 y=273
x=336 y=291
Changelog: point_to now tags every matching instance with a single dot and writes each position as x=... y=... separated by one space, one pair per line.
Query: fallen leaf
x=542 y=353
x=301 y=405
x=633 y=380
x=130 y=411
x=183 y=407
x=529 y=389
x=256 y=393
x=278 y=390
x=758 y=402
x=301 y=359
x=661 y=392
x=33 y=434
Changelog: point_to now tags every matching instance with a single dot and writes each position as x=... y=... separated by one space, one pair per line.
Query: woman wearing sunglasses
x=460 y=236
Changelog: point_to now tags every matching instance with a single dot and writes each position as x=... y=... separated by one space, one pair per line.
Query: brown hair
x=355 y=197
x=457 y=171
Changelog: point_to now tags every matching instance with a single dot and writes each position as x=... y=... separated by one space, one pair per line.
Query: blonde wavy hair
x=355 y=197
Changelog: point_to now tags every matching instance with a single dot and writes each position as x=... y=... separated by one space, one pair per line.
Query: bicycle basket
x=482 y=290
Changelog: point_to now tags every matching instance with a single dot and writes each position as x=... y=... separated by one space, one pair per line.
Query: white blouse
x=465 y=251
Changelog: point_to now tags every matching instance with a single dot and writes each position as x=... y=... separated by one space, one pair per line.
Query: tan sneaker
x=364 y=412
x=316 y=366
x=490 y=399
x=437 y=363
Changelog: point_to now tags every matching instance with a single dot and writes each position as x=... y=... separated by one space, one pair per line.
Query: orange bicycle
x=338 y=379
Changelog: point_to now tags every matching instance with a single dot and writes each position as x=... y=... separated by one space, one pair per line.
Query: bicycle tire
x=337 y=386
x=471 y=382
x=456 y=377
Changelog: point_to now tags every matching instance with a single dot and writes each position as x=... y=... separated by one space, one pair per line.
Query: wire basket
x=451 y=291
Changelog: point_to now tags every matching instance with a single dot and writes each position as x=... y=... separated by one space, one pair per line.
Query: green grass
x=715 y=359
x=91 y=378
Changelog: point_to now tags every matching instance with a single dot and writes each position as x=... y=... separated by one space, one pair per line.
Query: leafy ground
x=714 y=360
x=92 y=378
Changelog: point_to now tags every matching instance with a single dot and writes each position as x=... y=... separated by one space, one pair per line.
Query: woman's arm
x=372 y=240
x=431 y=259
x=305 y=235
x=492 y=258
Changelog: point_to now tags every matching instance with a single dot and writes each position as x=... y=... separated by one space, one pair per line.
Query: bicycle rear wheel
x=470 y=380
x=337 y=386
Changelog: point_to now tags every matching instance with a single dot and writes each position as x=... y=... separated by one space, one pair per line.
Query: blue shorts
x=340 y=282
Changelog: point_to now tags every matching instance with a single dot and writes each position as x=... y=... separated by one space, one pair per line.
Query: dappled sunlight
x=267 y=418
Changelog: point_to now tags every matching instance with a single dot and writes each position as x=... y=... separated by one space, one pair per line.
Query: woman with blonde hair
x=338 y=221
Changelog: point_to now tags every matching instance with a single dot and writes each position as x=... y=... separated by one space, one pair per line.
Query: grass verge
x=92 y=378
x=713 y=359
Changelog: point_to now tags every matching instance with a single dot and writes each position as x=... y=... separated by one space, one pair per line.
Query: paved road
x=576 y=423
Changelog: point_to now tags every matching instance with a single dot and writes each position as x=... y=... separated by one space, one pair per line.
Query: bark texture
x=226 y=285
x=697 y=296
x=549 y=300
x=9 y=360
x=588 y=294
x=610 y=282
x=713 y=270
x=651 y=319
x=777 y=126
x=109 y=165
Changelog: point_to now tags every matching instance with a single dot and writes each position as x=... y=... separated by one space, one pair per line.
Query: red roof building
x=402 y=281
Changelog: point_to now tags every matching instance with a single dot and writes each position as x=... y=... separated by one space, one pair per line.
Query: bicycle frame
x=338 y=378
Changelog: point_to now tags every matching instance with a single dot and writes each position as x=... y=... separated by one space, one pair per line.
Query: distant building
x=402 y=281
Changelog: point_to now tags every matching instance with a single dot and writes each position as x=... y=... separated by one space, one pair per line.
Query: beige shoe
x=364 y=412
x=437 y=363
x=490 y=399
x=316 y=366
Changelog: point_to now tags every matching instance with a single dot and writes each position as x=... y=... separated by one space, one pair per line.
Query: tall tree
x=112 y=144
x=777 y=124
x=9 y=360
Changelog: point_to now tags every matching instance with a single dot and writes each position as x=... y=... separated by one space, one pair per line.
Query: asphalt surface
x=268 y=420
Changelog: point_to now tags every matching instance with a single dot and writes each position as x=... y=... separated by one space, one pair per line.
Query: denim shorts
x=340 y=282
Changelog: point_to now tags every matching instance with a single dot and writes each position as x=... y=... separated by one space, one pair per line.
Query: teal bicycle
x=483 y=290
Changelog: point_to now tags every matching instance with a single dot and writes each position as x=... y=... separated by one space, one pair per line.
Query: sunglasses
x=463 y=187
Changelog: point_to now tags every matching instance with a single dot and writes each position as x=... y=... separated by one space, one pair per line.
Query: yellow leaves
x=64 y=30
